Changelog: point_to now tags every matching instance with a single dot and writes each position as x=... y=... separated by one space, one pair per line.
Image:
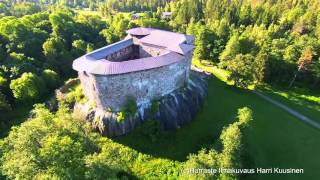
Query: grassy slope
x=275 y=139
x=301 y=100
x=288 y=143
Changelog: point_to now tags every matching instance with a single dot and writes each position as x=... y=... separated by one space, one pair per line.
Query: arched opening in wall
x=94 y=87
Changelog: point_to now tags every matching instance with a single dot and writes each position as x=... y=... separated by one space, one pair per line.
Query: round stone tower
x=147 y=64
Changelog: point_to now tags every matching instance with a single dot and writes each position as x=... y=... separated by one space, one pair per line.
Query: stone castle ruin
x=149 y=64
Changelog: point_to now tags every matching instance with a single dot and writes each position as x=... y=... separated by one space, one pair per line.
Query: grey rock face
x=174 y=109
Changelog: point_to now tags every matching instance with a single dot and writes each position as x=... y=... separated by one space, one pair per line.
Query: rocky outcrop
x=60 y=93
x=172 y=110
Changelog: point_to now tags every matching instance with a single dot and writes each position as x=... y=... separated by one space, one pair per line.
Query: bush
x=231 y=141
x=75 y=95
x=120 y=117
x=229 y=157
x=156 y=169
x=204 y=159
x=150 y=129
x=245 y=116
x=129 y=109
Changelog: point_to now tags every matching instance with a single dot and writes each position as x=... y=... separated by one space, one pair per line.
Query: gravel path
x=289 y=110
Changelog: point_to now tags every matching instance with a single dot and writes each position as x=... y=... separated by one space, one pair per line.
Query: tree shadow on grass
x=167 y=144
x=202 y=132
x=297 y=96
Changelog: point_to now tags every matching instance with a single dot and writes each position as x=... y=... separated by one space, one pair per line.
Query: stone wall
x=88 y=85
x=150 y=51
x=188 y=56
x=135 y=52
x=112 y=91
x=174 y=110
x=130 y=52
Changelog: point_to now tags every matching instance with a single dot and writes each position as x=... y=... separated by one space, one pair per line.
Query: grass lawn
x=274 y=139
x=304 y=102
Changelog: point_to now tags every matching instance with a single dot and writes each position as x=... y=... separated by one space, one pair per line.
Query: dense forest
x=61 y=146
x=257 y=41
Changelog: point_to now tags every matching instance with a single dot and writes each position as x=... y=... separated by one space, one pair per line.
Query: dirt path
x=289 y=110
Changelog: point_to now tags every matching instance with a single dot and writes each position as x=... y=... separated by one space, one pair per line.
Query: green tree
x=58 y=58
x=4 y=9
x=291 y=53
x=200 y=50
x=3 y=81
x=63 y=26
x=204 y=159
x=109 y=36
x=58 y=146
x=28 y=87
x=118 y=25
x=2 y=53
x=232 y=141
x=4 y=105
x=51 y=78
x=209 y=9
x=62 y=156
x=22 y=63
x=245 y=15
x=204 y=40
x=304 y=62
x=231 y=50
x=90 y=26
x=22 y=38
x=243 y=70
x=261 y=71
x=229 y=156
x=22 y=9
x=81 y=47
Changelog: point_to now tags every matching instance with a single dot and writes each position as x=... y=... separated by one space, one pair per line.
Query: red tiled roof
x=181 y=48
x=105 y=67
x=177 y=44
